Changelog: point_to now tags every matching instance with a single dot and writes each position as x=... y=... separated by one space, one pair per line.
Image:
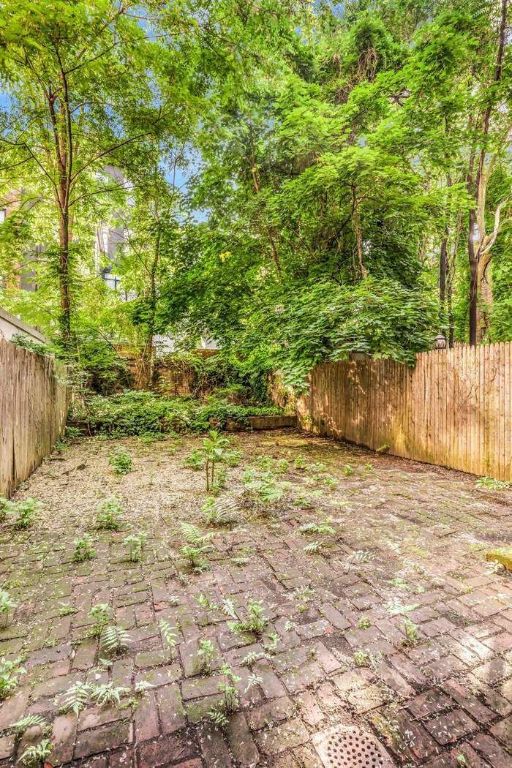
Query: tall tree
x=77 y=75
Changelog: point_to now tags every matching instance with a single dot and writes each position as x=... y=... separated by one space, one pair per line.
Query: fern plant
x=317 y=529
x=7 y=605
x=219 y=513
x=205 y=655
x=263 y=487
x=228 y=689
x=135 y=545
x=313 y=548
x=29 y=721
x=25 y=512
x=169 y=635
x=218 y=717
x=36 y=754
x=254 y=622
x=107 y=694
x=101 y=614
x=76 y=698
x=113 y=639
x=230 y=701
x=10 y=672
x=109 y=515
x=196 y=547
x=81 y=695
x=411 y=631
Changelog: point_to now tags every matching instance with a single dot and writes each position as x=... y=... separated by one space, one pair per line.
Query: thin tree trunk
x=64 y=279
x=443 y=274
x=473 y=282
x=479 y=242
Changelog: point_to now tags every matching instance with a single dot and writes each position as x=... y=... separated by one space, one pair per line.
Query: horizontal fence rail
x=454 y=408
x=33 y=408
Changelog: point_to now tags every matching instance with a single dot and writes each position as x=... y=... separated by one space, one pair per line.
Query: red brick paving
x=409 y=541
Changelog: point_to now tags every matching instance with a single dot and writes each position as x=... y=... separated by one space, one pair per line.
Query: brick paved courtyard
x=381 y=612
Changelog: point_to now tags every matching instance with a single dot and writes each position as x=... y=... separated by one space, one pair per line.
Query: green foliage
x=206 y=653
x=196 y=547
x=80 y=695
x=254 y=621
x=76 y=698
x=263 y=487
x=328 y=186
x=411 y=631
x=121 y=461
x=36 y=754
x=101 y=614
x=10 y=672
x=138 y=413
x=317 y=529
x=25 y=342
x=113 y=639
x=320 y=321
x=219 y=513
x=169 y=635
x=313 y=548
x=195 y=460
x=135 y=545
x=107 y=694
x=109 y=515
x=489 y=483
x=84 y=549
x=29 y=721
x=25 y=511
x=7 y=604
x=214 y=451
x=362 y=658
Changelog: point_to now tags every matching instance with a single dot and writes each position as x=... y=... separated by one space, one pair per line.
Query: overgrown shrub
x=219 y=374
x=139 y=413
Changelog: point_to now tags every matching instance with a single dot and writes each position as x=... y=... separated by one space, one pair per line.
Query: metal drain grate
x=350 y=747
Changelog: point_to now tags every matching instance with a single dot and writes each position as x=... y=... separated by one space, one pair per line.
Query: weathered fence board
x=33 y=408
x=454 y=408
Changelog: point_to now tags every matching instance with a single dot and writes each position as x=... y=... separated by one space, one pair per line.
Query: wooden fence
x=454 y=408
x=33 y=409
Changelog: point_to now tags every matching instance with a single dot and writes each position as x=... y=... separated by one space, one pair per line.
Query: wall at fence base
x=33 y=408
x=454 y=408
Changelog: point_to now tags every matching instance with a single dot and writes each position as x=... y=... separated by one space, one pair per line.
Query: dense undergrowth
x=138 y=413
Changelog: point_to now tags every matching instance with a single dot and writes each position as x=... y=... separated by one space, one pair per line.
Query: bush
x=143 y=413
x=220 y=374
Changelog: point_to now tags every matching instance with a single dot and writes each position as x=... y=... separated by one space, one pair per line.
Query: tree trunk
x=485 y=300
x=64 y=280
x=443 y=274
x=148 y=353
x=479 y=242
x=473 y=282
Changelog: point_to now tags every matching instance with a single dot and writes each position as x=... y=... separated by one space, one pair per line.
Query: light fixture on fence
x=440 y=342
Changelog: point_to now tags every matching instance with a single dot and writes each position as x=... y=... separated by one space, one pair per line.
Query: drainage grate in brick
x=350 y=747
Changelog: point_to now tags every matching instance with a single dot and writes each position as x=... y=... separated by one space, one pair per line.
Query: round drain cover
x=350 y=747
